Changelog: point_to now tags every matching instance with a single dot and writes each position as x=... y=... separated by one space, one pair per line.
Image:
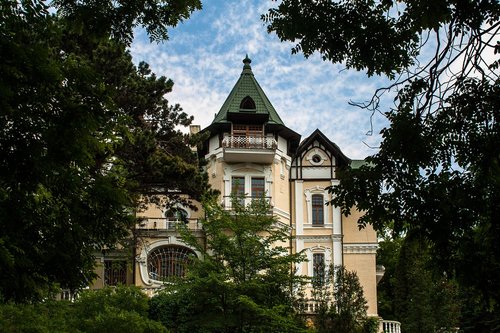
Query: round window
x=316 y=159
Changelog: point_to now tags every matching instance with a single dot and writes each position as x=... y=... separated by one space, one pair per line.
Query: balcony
x=391 y=326
x=311 y=307
x=255 y=149
x=165 y=224
x=227 y=202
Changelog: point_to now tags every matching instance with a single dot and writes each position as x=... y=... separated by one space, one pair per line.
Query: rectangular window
x=115 y=272
x=248 y=130
x=238 y=189
x=318 y=268
x=238 y=186
x=248 y=136
x=317 y=210
x=258 y=189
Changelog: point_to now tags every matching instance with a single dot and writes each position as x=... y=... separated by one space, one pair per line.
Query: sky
x=203 y=57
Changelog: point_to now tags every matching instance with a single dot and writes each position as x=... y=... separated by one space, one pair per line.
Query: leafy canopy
x=119 y=309
x=243 y=280
x=340 y=303
x=84 y=132
x=436 y=172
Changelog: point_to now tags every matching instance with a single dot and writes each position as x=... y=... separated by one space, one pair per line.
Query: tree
x=436 y=172
x=423 y=302
x=341 y=305
x=119 y=309
x=243 y=281
x=388 y=257
x=85 y=135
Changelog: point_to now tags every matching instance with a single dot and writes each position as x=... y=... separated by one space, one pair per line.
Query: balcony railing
x=249 y=142
x=244 y=201
x=391 y=326
x=310 y=306
x=159 y=223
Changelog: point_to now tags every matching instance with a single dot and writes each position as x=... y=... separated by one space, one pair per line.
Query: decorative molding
x=320 y=153
x=337 y=237
x=281 y=212
x=316 y=189
x=360 y=248
x=147 y=247
x=327 y=251
x=309 y=226
x=314 y=238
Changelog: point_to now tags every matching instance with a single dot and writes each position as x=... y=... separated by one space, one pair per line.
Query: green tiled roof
x=356 y=164
x=247 y=85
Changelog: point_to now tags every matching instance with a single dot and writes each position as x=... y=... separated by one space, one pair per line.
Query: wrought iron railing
x=249 y=142
x=162 y=223
x=242 y=200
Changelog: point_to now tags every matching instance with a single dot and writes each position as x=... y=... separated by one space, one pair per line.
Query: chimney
x=193 y=129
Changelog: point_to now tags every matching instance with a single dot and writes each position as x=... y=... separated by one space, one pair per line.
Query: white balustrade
x=159 y=223
x=391 y=326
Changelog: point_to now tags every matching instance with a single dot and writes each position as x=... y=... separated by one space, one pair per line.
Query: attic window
x=247 y=103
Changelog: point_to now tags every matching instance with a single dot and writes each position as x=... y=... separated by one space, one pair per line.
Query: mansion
x=251 y=152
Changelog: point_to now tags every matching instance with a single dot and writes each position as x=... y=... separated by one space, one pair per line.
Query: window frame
x=114 y=275
x=168 y=262
x=317 y=210
x=257 y=191
x=247 y=103
x=319 y=268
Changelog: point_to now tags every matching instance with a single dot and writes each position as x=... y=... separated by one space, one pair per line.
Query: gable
x=317 y=158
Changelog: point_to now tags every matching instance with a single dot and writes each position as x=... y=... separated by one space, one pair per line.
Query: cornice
x=360 y=248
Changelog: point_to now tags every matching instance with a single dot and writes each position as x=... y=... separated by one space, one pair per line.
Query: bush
x=121 y=309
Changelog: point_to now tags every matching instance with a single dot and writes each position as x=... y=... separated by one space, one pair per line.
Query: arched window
x=247 y=103
x=317 y=210
x=168 y=262
x=176 y=214
x=318 y=268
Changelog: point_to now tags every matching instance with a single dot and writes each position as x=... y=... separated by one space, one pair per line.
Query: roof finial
x=247 y=62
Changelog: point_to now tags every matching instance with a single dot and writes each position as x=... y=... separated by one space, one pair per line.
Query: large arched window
x=176 y=214
x=167 y=263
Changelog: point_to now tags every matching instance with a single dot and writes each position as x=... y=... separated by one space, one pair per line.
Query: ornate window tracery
x=168 y=263
x=115 y=272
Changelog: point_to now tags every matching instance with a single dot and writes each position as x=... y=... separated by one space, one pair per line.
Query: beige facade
x=252 y=153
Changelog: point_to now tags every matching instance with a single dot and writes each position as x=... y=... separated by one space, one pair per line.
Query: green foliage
x=51 y=317
x=381 y=37
x=439 y=179
x=84 y=132
x=436 y=172
x=242 y=283
x=120 y=18
x=122 y=309
x=423 y=302
x=127 y=298
x=341 y=303
x=387 y=256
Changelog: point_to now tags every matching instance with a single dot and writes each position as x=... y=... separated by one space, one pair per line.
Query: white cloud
x=204 y=54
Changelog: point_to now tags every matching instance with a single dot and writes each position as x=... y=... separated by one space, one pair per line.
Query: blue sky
x=204 y=59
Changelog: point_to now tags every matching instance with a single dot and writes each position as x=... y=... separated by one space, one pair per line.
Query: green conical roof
x=247 y=85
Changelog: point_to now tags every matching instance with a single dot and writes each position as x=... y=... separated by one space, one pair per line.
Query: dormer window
x=247 y=103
